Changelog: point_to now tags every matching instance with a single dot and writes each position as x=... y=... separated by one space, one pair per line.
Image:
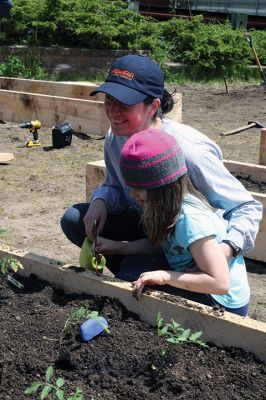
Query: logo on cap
x=122 y=73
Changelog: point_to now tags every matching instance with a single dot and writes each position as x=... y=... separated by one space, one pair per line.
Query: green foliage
x=47 y=388
x=206 y=50
x=81 y=314
x=176 y=334
x=3 y=232
x=17 y=67
x=9 y=264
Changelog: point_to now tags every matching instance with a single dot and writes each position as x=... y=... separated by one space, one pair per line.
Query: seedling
x=176 y=334
x=82 y=313
x=48 y=388
x=10 y=264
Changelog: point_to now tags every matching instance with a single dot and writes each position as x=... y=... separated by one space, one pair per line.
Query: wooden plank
x=6 y=157
x=262 y=157
x=61 y=89
x=225 y=330
x=254 y=171
x=84 y=115
x=259 y=251
x=95 y=172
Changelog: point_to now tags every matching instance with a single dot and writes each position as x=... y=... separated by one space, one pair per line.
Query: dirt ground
x=129 y=362
x=42 y=182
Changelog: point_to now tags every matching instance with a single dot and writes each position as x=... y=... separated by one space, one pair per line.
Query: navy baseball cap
x=132 y=79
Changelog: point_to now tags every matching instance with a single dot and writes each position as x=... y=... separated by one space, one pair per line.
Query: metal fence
x=257 y=7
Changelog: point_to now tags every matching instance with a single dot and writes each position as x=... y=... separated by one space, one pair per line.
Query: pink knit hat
x=151 y=159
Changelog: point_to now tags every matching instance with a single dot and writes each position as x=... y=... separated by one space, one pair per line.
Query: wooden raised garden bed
x=130 y=361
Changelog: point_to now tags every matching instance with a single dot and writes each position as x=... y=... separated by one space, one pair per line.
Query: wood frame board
x=223 y=330
x=85 y=116
x=61 y=89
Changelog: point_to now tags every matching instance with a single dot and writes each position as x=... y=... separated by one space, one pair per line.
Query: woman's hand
x=159 y=277
x=97 y=211
x=107 y=246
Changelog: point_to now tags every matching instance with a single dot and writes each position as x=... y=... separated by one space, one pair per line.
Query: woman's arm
x=211 y=275
x=141 y=246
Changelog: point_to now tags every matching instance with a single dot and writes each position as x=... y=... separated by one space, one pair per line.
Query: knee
x=68 y=218
x=73 y=218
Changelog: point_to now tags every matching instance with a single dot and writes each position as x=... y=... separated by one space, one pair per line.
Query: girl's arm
x=141 y=246
x=211 y=275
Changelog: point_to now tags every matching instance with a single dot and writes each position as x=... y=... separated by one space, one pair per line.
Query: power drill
x=33 y=126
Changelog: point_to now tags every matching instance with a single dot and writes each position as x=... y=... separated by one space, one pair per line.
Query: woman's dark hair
x=163 y=207
x=167 y=104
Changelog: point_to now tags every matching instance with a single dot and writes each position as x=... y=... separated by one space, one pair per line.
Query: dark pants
x=124 y=226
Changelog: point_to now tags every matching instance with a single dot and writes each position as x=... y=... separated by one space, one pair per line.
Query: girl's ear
x=155 y=105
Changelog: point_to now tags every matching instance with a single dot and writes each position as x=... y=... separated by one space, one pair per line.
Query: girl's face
x=140 y=195
x=126 y=120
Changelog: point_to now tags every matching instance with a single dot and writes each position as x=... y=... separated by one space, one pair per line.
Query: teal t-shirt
x=196 y=221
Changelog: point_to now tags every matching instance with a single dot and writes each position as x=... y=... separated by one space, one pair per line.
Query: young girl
x=178 y=220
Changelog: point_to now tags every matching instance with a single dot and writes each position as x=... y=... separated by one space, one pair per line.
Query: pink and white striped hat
x=152 y=158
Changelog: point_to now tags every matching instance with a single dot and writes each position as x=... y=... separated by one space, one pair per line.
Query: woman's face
x=126 y=120
x=140 y=195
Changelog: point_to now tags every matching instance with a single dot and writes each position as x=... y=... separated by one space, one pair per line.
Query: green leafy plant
x=176 y=334
x=28 y=67
x=8 y=264
x=48 y=388
x=204 y=51
x=82 y=313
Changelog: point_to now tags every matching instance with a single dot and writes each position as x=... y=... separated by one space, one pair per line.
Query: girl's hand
x=107 y=246
x=160 y=277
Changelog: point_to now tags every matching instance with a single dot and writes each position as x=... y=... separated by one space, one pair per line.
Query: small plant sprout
x=176 y=334
x=80 y=314
x=48 y=388
x=9 y=265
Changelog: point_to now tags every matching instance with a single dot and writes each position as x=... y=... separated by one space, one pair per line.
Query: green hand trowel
x=86 y=255
x=90 y=261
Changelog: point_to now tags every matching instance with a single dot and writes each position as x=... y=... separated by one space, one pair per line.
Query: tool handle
x=248 y=37
x=238 y=130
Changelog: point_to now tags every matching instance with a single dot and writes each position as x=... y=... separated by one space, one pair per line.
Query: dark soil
x=250 y=184
x=124 y=364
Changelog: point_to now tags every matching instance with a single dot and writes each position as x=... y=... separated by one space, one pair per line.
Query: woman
x=136 y=100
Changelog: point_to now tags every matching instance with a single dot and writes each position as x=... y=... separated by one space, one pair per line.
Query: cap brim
x=121 y=93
